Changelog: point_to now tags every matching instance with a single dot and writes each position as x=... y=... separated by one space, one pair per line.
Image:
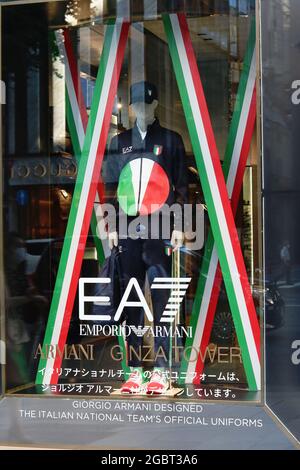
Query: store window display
x=149 y=166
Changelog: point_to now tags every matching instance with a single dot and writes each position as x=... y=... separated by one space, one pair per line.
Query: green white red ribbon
x=236 y=154
x=77 y=119
x=216 y=196
x=83 y=198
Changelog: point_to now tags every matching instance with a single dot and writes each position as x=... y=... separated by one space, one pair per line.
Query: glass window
x=82 y=86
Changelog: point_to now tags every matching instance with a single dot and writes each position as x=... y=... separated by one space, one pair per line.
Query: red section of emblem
x=157 y=191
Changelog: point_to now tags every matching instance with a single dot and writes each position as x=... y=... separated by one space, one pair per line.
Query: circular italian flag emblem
x=143 y=187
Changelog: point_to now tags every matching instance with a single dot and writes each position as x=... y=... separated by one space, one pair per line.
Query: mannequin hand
x=177 y=239
x=113 y=239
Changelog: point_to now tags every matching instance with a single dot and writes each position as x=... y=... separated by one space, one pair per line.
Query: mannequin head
x=143 y=100
x=144 y=113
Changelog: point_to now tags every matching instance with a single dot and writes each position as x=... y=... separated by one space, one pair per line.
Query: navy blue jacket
x=162 y=146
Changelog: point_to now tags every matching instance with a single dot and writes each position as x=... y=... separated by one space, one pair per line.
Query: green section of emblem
x=125 y=192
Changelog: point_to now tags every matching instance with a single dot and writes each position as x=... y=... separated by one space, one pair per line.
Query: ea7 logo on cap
x=157 y=149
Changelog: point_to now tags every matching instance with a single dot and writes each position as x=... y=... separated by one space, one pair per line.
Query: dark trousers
x=140 y=258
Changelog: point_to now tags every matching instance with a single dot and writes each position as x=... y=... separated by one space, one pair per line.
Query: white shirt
x=142 y=133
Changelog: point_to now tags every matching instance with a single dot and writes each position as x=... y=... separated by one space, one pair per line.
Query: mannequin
x=147 y=164
x=145 y=116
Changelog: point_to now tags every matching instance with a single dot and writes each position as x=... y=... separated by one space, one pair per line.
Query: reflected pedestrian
x=285 y=257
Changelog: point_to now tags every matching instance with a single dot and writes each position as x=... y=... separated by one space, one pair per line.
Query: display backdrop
x=210 y=171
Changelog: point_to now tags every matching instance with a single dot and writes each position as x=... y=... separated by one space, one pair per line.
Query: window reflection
x=41 y=160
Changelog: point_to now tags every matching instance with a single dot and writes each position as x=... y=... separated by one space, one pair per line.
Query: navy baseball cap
x=144 y=92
